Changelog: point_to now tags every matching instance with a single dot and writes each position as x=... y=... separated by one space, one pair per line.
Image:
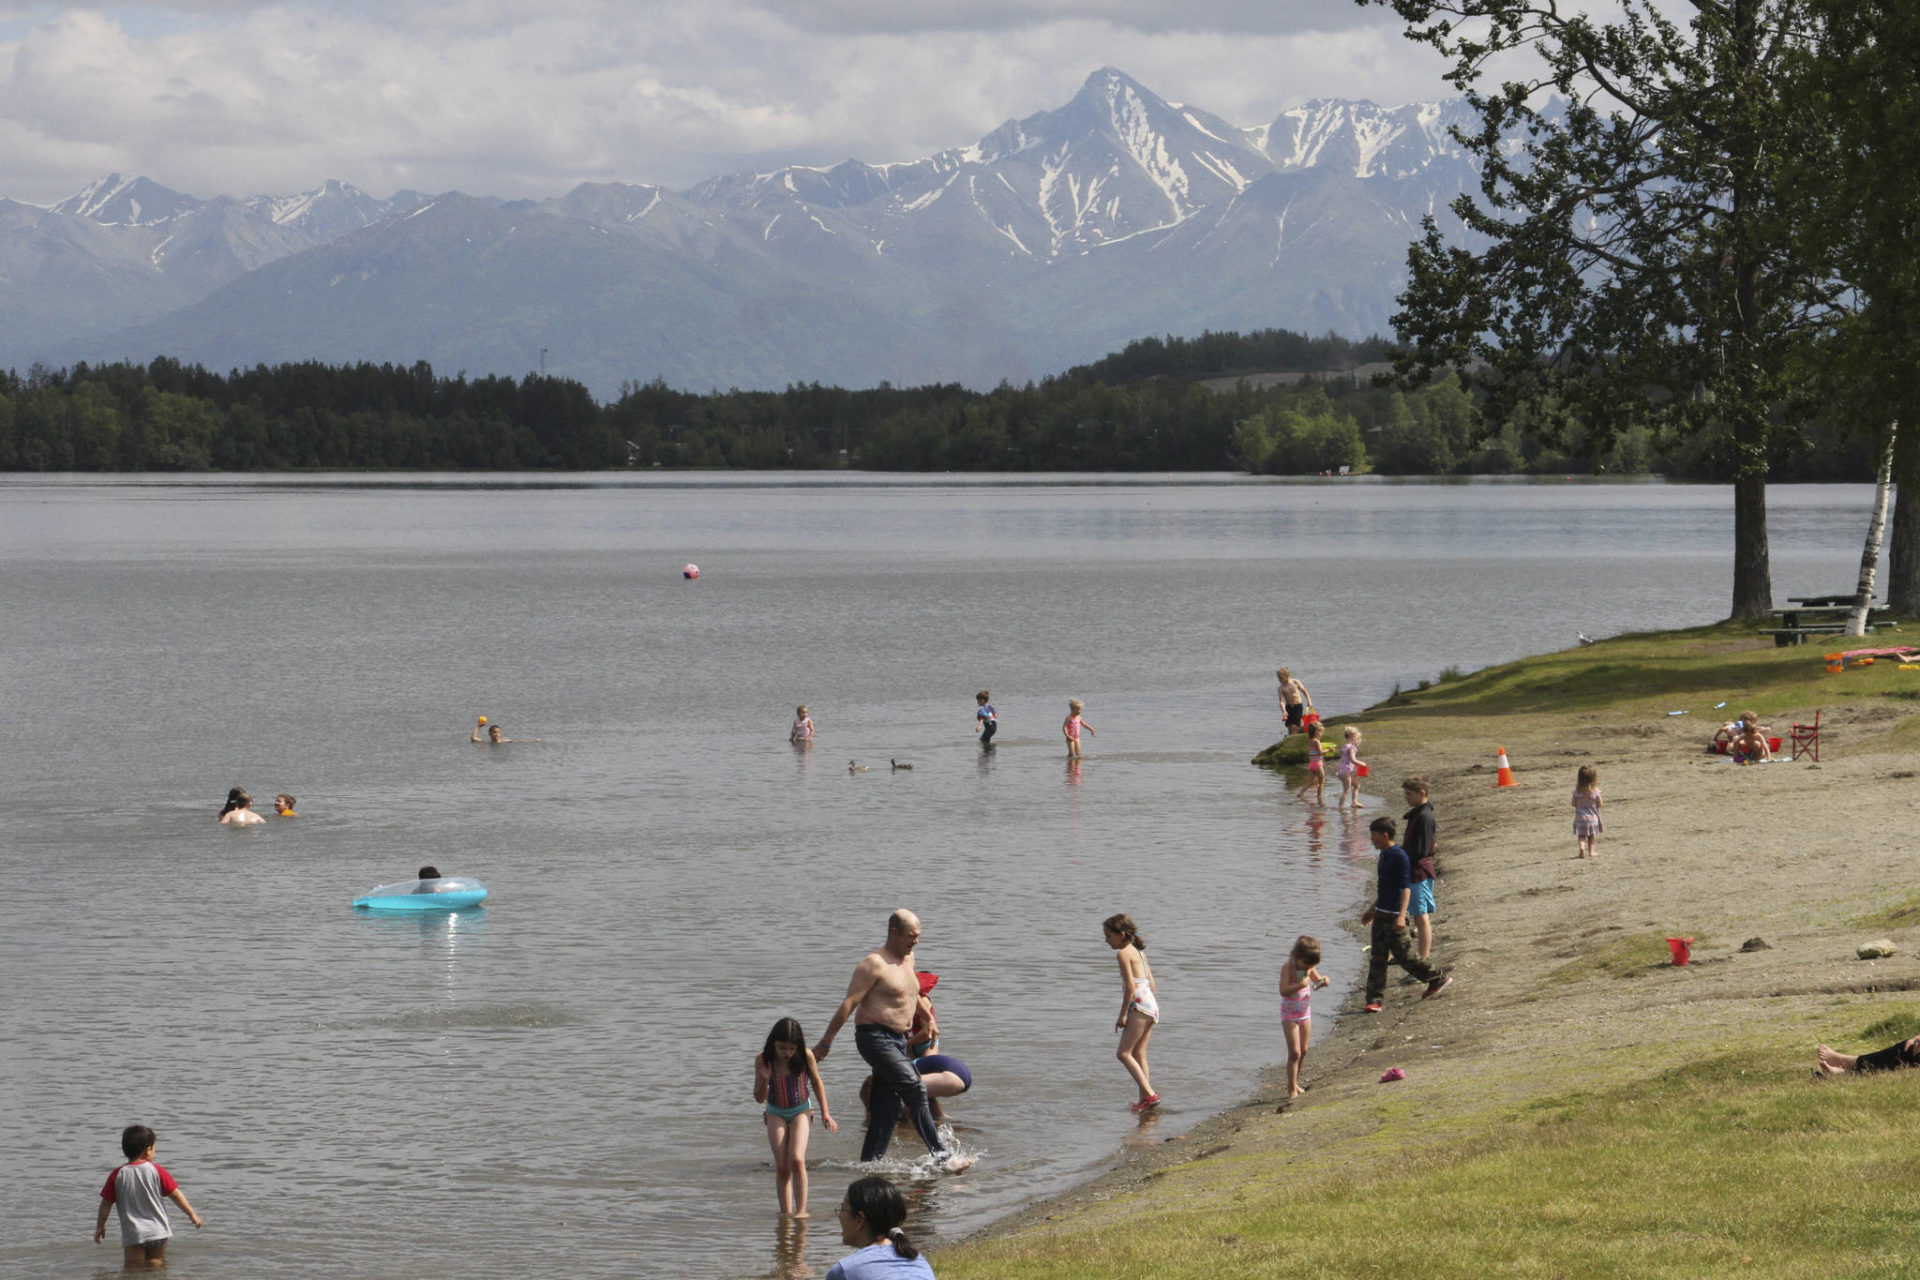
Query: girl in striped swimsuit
x=787 y=1079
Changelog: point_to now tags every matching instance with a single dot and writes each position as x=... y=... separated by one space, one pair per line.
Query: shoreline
x=1563 y=992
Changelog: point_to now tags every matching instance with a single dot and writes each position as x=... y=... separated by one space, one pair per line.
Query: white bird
x=855 y=768
x=1581 y=638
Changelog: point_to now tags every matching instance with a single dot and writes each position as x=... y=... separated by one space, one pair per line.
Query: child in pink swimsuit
x=1072 y=726
x=1298 y=978
x=1316 y=767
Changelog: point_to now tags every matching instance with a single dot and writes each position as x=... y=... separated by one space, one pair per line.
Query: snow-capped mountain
x=1049 y=241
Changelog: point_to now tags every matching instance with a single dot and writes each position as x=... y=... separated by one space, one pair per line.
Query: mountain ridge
x=1050 y=240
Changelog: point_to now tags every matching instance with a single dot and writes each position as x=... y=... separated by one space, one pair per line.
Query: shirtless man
x=881 y=1000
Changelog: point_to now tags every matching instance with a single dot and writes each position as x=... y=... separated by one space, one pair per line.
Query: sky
x=528 y=99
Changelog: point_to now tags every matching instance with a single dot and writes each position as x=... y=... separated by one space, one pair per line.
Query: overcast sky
x=531 y=97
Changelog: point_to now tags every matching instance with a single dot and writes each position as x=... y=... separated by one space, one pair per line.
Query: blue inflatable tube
x=448 y=893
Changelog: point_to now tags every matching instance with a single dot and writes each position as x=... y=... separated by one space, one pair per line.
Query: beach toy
x=1506 y=778
x=483 y=719
x=448 y=893
x=1365 y=770
x=1682 y=949
x=1312 y=717
x=691 y=572
x=1773 y=744
x=1391 y=1074
x=1834 y=668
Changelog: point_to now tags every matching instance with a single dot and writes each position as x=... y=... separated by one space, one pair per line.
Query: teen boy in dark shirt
x=1388 y=916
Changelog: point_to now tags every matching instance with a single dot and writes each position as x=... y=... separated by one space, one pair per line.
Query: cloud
x=497 y=97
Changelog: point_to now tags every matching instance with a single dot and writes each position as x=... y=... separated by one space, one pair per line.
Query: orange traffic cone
x=1506 y=772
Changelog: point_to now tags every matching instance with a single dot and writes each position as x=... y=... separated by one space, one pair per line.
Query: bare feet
x=802 y=1214
x=1833 y=1063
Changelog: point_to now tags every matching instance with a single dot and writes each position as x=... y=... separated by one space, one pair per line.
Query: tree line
x=1159 y=405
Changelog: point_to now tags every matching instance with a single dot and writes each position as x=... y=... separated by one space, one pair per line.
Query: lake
x=559 y=1084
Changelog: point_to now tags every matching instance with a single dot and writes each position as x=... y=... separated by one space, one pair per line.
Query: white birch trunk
x=1876 y=528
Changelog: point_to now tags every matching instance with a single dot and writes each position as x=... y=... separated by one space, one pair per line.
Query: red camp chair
x=1806 y=739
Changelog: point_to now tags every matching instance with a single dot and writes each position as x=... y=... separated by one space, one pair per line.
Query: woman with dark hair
x=870 y=1216
x=239 y=811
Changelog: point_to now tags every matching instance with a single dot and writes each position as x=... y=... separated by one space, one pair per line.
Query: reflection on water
x=790 y=1250
x=672 y=875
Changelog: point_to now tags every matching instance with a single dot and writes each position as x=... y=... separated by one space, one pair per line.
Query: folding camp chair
x=1806 y=738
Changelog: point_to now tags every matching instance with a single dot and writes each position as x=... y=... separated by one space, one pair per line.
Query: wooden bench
x=1805 y=620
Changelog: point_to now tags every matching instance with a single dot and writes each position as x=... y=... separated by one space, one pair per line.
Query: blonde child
x=1316 y=767
x=1298 y=978
x=802 y=731
x=1072 y=726
x=1586 y=811
x=783 y=1073
x=1139 y=1008
x=1350 y=766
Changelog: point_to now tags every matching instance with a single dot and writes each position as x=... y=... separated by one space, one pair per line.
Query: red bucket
x=1773 y=744
x=1365 y=770
x=1312 y=717
x=1682 y=949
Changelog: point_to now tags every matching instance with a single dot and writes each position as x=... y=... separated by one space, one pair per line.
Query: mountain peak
x=117 y=201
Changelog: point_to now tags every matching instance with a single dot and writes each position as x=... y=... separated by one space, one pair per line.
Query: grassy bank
x=1578 y=1107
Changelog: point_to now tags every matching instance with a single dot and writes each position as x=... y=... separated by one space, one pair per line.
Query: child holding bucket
x=1586 y=811
x=1316 y=767
x=1352 y=768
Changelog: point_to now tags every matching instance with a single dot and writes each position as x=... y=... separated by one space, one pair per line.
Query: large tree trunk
x=1903 y=558
x=1876 y=526
x=1752 y=562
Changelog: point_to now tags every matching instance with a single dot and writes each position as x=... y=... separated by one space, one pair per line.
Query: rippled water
x=560 y=1084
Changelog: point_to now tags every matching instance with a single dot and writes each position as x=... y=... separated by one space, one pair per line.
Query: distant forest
x=1162 y=404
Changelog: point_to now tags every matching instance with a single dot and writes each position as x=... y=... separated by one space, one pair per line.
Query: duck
x=852 y=767
x=896 y=764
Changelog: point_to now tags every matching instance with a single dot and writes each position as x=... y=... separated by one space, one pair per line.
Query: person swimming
x=239 y=810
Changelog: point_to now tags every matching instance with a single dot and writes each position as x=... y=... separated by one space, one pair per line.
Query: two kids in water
x=1348 y=770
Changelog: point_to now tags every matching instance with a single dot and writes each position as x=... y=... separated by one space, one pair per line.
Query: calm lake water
x=560 y=1084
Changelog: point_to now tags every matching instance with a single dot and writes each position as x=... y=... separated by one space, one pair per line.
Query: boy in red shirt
x=137 y=1189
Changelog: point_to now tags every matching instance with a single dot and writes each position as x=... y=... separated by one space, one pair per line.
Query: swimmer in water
x=493 y=738
x=283 y=805
x=427 y=876
x=239 y=811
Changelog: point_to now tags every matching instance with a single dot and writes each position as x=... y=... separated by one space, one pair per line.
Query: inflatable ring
x=448 y=893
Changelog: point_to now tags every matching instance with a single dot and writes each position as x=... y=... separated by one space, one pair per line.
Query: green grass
x=1901 y=915
x=1737 y=1163
x=1645 y=676
x=1632 y=956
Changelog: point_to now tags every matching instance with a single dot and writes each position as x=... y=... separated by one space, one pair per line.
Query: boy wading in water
x=138 y=1189
x=1388 y=916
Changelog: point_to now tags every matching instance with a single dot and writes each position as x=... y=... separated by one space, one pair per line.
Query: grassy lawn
x=1729 y=1165
x=1645 y=675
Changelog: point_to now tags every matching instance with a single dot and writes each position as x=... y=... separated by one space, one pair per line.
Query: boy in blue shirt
x=1388 y=916
x=985 y=721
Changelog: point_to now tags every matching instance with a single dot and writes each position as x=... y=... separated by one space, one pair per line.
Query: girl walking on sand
x=787 y=1079
x=1316 y=767
x=1586 y=811
x=1350 y=766
x=1072 y=726
x=1298 y=978
x=1139 y=1009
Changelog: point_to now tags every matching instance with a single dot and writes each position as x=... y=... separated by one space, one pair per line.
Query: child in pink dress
x=1586 y=811
x=1349 y=768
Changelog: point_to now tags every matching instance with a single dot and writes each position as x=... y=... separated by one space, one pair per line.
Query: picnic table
x=1808 y=616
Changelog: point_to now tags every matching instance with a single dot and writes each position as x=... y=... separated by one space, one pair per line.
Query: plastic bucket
x=1682 y=949
x=1834 y=668
x=1365 y=770
x=1312 y=717
x=1773 y=744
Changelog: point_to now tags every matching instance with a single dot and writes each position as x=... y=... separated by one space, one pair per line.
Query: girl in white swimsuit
x=1139 y=1010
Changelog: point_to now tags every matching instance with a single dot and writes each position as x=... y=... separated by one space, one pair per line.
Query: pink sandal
x=1151 y=1100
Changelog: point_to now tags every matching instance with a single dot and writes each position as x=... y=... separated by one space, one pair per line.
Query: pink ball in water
x=691 y=572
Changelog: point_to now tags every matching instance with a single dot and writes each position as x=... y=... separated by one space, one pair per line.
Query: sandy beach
x=1563 y=984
